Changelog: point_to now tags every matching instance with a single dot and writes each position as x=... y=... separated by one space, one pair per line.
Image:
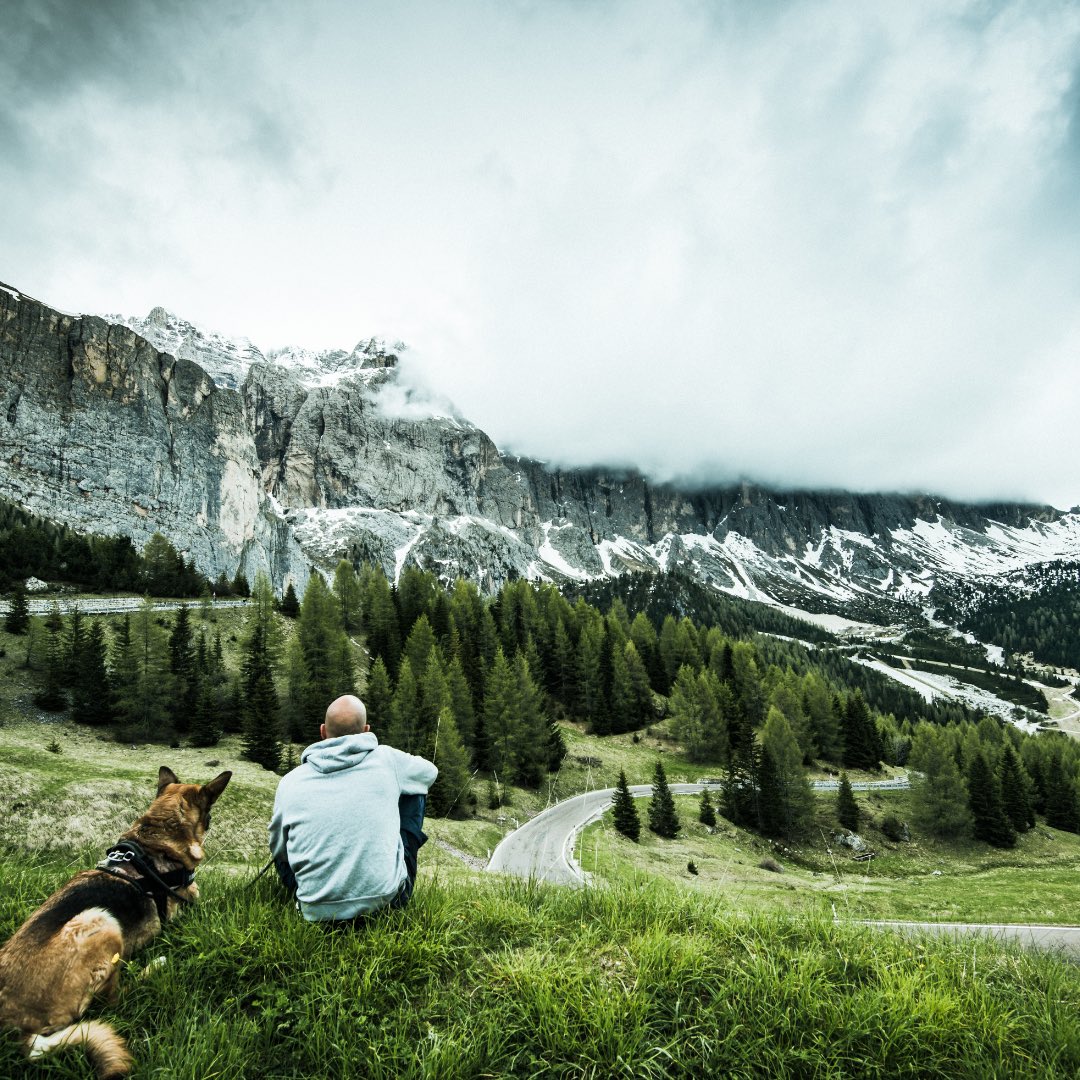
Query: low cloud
x=819 y=244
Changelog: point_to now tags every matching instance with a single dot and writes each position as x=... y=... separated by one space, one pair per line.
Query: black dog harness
x=159 y=887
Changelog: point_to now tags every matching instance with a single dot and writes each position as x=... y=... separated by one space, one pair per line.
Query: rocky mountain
x=295 y=459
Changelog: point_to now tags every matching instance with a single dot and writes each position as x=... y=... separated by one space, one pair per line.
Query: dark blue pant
x=413 y=838
x=411 y=812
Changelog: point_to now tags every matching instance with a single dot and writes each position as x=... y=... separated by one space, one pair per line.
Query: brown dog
x=70 y=949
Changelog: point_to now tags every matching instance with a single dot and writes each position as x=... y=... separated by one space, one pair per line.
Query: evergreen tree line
x=1043 y=618
x=34 y=547
x=988 y=781
x=676 y=594
x=475 y=684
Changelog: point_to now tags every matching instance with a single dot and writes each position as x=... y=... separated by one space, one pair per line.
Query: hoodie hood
x=342 y=752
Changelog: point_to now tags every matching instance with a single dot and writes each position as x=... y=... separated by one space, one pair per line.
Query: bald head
x=345 y=716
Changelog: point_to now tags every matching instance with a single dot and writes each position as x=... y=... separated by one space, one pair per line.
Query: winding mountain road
x=542 y=848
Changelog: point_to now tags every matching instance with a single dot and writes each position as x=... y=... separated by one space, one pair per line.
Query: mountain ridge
x=311 y=457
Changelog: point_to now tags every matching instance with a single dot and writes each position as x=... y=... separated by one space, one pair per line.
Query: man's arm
x=415 y=774
x=278 y=831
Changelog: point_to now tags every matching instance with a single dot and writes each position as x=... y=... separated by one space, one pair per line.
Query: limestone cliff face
x=308 y=461
x=100 y=430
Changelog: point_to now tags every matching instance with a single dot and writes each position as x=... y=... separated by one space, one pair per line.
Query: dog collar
x=127 y=854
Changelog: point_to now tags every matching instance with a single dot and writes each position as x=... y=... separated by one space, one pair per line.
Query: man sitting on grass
x=348 y=820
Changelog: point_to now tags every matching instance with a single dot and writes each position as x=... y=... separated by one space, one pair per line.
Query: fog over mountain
x=825 y=244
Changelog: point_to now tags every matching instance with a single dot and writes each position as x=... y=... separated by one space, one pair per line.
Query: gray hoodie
x=336 y=823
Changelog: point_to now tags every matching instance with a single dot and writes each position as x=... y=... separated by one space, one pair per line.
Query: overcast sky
x=824 y=244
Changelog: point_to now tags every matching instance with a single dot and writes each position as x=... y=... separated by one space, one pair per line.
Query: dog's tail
x=106 y=1050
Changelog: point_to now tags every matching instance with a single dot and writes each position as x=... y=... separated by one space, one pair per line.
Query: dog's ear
x=165 y=776
x=209 y=793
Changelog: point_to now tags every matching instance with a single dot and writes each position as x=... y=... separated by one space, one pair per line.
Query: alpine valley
x=292 y=460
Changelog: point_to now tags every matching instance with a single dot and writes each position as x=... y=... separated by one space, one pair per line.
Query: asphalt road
x=106 y=605
x=1065 y=939
x=542 y=848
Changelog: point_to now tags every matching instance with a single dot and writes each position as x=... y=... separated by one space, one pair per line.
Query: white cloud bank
x=826 y=244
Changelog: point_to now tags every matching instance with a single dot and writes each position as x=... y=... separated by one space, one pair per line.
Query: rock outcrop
x=100 y=430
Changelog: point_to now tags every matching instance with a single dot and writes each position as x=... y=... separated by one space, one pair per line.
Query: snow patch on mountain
x=227 y=359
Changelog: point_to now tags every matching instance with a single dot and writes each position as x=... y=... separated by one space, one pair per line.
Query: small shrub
x=771 y=865
x=691 y=866
x=54 y=747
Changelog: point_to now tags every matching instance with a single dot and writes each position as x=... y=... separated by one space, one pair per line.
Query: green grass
x=74 y=803
x=733 y=972
x=922 y=880
x=486 y=977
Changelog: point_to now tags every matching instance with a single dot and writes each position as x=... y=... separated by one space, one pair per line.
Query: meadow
x=735 y=970
x=652 y=971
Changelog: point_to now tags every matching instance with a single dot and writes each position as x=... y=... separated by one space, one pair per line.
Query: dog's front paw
x=191 y=892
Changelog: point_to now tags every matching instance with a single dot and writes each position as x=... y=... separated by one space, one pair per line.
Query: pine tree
x=991 y=823
x=205 y=727
x=662 y=817
x=641 y=710
x=51 y=695
x=824 y=723
x=434 y=698
x=847 y=809
x=347 y=591
x=697 y=721
x=406 y=723
x=534 y=747
x=461 y=702
x=862 y=743
x=262 y=724
x=123 y=669
x=740 y=793
x=182 y=666
x=625 y=813
x=939 y=803
x=380 y=617
x=379 y=696
x=772 y=820
x=1016 y=791
x=17 y=620
x=668 y=653
x=643 y=635
x=142 y=679
x=241 y=587
x=706 y=813
x=449 y=795
x=72 y=648
x=1062 y=799
x=589 y=691
x=554 y=747
x=749 y=695
x=296 y=711
x=419 y=644
x=290 y=605
x=91 y=697
x=793 y=793
x=325 y=649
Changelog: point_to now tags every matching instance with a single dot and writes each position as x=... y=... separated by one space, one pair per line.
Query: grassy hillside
x=481 y=977
x=736 y=970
